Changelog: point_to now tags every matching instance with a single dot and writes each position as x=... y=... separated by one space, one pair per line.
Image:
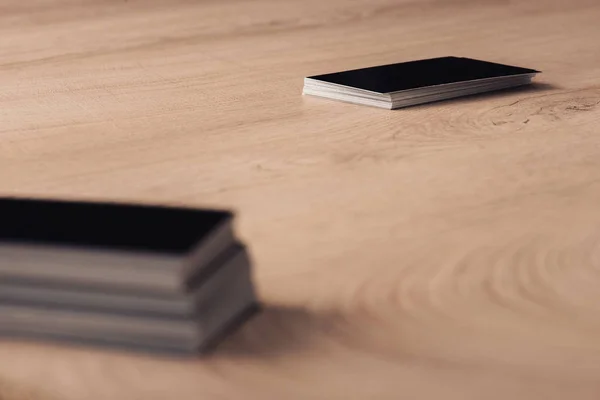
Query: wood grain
x=450 y=250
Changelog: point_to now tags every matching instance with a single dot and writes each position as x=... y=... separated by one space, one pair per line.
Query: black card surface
x=105 y=225
x=421 y=73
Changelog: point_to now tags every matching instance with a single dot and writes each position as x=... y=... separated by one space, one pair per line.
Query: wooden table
x=443 y=251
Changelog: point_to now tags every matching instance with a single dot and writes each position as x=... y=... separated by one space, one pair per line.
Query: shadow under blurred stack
x=143 y=277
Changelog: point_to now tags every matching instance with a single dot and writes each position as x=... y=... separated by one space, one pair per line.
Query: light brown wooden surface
x=444 y=251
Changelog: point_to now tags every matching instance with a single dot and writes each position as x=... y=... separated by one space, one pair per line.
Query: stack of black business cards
x=417 y=82
x=146 y=277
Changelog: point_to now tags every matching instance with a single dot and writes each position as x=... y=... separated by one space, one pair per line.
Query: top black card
x=421 y=73
x=106 y=225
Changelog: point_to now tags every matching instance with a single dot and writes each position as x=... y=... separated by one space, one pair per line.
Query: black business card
x=106 y=225
x=421 y=73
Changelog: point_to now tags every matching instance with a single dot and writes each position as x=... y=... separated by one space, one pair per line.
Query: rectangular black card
x=106 y=225
x=421 y=73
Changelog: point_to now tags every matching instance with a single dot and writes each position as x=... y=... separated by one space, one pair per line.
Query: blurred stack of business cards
x=417 y=82
x=136 y=276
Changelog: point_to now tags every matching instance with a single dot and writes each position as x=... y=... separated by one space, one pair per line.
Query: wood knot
x=543 y=109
